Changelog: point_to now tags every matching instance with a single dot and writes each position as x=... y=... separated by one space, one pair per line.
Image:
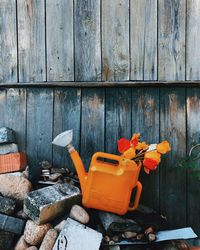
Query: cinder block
x=7 y=205
x=8 y=148
x=7 y=135
x=44 y=205
x=11 y=224
x=12 y=162
x=77 y=236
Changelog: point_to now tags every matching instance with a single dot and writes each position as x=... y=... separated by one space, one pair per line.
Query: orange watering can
x=107 y=186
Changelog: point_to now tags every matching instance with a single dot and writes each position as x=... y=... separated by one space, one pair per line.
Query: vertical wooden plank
x=115 y=40
x=2 y=106
x=39 y=125
x=145 y=119
x=193 y=38
x=31 y=40
x=143 y=35
x=15 y=114
x=8 y=41
x=92 y=123
x=87 y=40
x=173 y=129
x=118 y=117
x=193 y=135
x=67 y=107
x=171 y=39
x=60 y=51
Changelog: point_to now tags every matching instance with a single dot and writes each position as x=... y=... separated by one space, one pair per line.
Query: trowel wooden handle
x=106 y=156
x=137 y=196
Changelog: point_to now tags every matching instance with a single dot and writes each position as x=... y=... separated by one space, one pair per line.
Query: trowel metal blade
x=63 y=139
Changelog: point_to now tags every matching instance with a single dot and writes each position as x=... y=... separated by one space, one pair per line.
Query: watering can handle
x=106 y=156
x=137 y=196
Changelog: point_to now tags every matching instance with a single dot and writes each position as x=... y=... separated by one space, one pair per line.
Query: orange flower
x=163 y=147
x=123 y=145
x=134 y=140
x=142 y=146
x=153 y=155
x=150 y=164
x=129 y=154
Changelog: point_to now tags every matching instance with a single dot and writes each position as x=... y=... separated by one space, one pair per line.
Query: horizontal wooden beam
x=104 y=84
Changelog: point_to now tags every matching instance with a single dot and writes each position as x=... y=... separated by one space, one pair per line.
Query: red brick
x=12 y=162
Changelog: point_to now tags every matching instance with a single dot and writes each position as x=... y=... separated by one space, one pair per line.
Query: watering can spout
x=64 y=140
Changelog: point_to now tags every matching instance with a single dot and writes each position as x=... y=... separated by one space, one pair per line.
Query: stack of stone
x=10 y=159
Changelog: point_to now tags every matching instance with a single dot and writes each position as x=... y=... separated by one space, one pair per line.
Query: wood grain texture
x=8 y=41
x=39 y=125
x=92 y=123
x=143 y=38
x=15 y=114
x=193 y=38
x=31 y=40
x=67 y=113
x=115 y=40
x=171 y=39
x=118 y=117
x=145 y=120
x=60 y=50
x=193 y=137
x=87 y=40
x=173 y=129
x=2 y=107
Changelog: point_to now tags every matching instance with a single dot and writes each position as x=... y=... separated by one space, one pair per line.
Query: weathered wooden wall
x=67 y=42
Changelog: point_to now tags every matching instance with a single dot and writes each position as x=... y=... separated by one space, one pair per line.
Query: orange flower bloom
x=134 y=140
x=153 y=155
x=163 y=147
x=150 y=164
x=123 y=145
x=142 y=146
x=130 y=153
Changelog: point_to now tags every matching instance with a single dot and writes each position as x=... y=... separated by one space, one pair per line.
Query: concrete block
x=7 y=205
x=8 y=148
x=12 y=162
x=6 y=240
x=46 y=204
x=11 y=224
x=77 y=236
x=7 y=135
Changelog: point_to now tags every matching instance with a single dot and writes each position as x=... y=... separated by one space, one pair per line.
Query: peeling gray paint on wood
x=173 y=187
x=193 y=40
x=145 y=120
x=193 y=137
x=171 y=39
x=87 y=40
x=60 y=47
x=143 y=35
x=31 y=40
x=8 y=41
x=115 y=40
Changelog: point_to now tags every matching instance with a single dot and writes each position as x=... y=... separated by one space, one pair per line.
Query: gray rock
x=11 y=224
x=6 y=240
x=77 y=236
x=46 y=204
x=34 y=234
x=7 y=205
x=7 y=135
x=8 y=148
